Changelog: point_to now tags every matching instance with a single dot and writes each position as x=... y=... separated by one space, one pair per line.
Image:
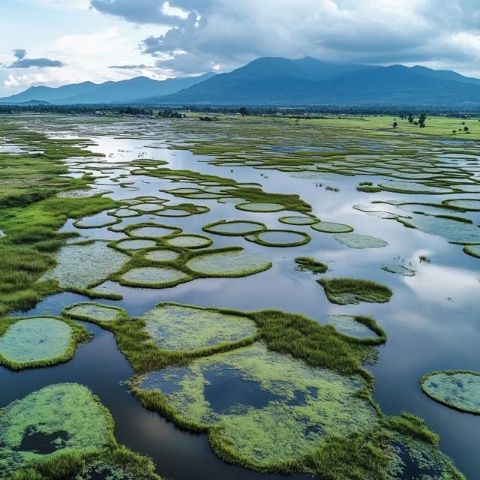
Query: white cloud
x=66 y=4
x=228 y=33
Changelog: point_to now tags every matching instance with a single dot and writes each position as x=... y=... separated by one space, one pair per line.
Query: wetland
x=251 y=298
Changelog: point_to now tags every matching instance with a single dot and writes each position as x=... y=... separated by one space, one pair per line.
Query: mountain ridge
x=123 y=91
x=278 y=81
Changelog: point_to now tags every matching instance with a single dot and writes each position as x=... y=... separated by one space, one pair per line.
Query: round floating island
x=279 y=238
x=330 y=227
x=189 y=241
x=456 y=389
x=38 y=342
x=154 y=277
x=234 y=227
x=228 y=263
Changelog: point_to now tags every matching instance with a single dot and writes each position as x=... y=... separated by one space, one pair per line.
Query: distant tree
x=465 y=129
x=243 y=112
x=395 y=125
x=421 y=120
x=410 y=118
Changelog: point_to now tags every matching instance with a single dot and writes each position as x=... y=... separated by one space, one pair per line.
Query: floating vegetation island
x=63 y=430
x=83 y=266
x=308 y=263
x=184 y=328
x=38 y=341
x=456 y=389
x=344 y=291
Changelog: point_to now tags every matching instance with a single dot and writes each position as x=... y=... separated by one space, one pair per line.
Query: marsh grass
x=31 y=214
x=344 y=291
x=311 y=264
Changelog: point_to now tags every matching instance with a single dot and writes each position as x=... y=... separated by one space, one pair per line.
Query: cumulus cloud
x=23 y=62
x=220 y=34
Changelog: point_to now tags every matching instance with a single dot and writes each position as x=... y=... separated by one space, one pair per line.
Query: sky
x=56 y=42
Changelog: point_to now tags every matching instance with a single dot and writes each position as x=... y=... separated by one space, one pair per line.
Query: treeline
x=91 y=110
x=182 y=111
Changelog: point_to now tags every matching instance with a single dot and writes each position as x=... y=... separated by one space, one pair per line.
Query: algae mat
x=36 y=341
x=456 y=389
x=185 y=328
x=262 y=407
x=50 y=421
x=81 y=266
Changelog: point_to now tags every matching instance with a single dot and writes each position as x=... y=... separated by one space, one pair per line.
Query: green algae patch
x=82 y=266
x=148 y=207
x=133 y=245
x=58 y=419
x=260 y=207
x=184 y=328
x=153 y=277
x=364 y=330
x=414 y=188
x=279 y=238
x=356 y=240
x=102 y=219
x=161 y=255
x=117 y=464
x=456 y=389
x=38 y=341
x=259 y=388
x=95 y=312
x=454 y=229
x=234 y=227
x=409 y=456
x=228 y=263
x=298 y=220
x=473 y=250
x=468 y=204
x=126 y=213
x=330 y=227
x=189 y=241
x=345 y=291
x=311 y=264
x=151 y=231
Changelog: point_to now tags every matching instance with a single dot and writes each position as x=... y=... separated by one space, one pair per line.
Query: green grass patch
x=311 y=264
x=345 y=291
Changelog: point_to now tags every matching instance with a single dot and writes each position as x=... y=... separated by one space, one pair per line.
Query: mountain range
x=124 y=91
x=278 y=81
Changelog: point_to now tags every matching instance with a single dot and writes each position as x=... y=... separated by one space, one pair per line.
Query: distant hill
x=125 y=91
x=270 y=81
x=278 y=81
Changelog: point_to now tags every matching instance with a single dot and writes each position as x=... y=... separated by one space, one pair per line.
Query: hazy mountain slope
x=124 y=91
